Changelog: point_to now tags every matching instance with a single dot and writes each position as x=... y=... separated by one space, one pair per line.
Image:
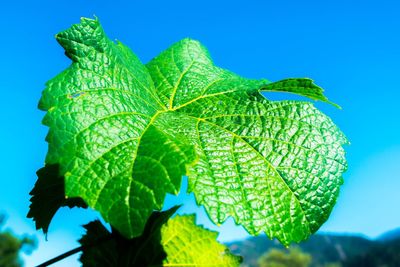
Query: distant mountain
x=381 y=254
x=390 y=235
x=345 y=250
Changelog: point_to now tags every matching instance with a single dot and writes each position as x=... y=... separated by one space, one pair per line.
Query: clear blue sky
x=351 y=48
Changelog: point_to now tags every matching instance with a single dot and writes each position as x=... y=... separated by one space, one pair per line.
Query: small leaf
x=179 y=242
x=98 y=246
x=301 y=86
x=187 y=244
x=102 y=248
x=48 y=196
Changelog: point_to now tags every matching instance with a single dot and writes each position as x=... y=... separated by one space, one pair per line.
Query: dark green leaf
x=48 y=196
x=102 y=248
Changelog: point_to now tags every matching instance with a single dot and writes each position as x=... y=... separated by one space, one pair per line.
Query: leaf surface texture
x=124 y=133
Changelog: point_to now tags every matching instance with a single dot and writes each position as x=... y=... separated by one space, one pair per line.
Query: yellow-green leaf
x=187 y=244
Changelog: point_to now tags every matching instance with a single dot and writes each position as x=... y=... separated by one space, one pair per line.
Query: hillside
x=390 y=235
x=325 y=249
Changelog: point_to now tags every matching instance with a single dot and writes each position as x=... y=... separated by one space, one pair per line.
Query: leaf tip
x=333 y=104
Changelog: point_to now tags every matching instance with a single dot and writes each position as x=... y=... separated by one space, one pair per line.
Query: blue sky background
x=350 y=48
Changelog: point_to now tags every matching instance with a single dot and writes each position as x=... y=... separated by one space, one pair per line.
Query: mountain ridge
x=389 y=235
x=329 y=248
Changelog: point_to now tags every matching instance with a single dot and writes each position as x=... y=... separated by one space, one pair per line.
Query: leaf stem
x=61 y=257
x=74 y=251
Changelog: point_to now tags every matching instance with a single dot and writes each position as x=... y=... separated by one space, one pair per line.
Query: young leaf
x=124 y=134
x=187 y=244
x=301 y=86
x=48 y=196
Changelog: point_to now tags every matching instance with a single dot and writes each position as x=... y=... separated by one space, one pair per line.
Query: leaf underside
x=124 y=133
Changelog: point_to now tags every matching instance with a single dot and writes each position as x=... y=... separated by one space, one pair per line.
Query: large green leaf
x=272 y=166
x=124 y=134
x=101 y=112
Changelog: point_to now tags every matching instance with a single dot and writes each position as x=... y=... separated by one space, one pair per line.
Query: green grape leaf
x=164 y=242
x=124 y=133
x=273 y=166
x=301 y=86
x=187 y=244
x=48 y=196
x=101 y=112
